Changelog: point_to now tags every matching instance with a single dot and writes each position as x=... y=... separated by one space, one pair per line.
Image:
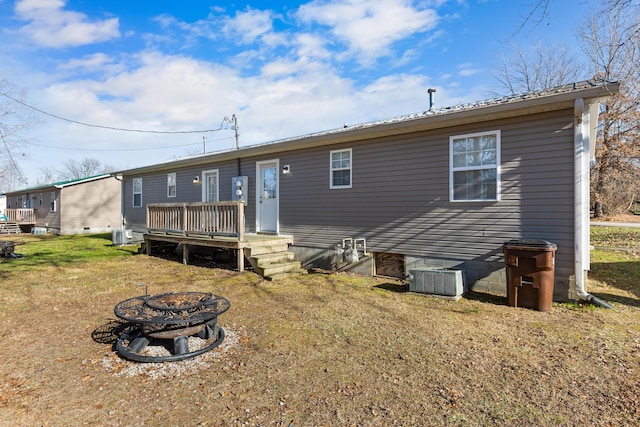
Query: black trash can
x=530 y=268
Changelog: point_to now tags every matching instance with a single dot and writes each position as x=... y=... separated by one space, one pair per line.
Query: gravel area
x=118 y=366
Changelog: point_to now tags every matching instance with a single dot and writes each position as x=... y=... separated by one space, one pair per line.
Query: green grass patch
x=619 y=269
x=615 y=237
x=65 y=250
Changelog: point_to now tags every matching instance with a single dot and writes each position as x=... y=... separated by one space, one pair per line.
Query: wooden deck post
x=185 y=254
x=240 y=260
x=240 y=220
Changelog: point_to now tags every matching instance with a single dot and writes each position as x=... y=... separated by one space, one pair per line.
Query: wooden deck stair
x=273 y=260
x=9 y=228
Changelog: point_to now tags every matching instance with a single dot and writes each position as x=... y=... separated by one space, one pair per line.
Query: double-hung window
x=341 y=167
x=52 y=206
x=137 y=192
x=475 y=167
x=171 y=184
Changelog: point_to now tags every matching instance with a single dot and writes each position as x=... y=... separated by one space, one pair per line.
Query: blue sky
x=285 y=70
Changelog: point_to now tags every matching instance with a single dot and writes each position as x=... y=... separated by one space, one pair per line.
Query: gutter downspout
x=121 y=179
x=582 y=148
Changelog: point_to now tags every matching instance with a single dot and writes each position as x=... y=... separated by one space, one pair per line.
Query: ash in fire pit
x=169 y=320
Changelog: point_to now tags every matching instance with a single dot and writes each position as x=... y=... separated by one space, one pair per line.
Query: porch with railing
x=213 y=224
x=18 y=216
x=203 y=219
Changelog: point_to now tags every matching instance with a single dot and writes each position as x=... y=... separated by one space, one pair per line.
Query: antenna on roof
x=431 y=92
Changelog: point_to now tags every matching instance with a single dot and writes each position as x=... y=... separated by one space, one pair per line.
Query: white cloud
x=50 y=25
x=248 y=26
x=311 y=46
x=467 y=70
x=369 y=27
x=93 y=62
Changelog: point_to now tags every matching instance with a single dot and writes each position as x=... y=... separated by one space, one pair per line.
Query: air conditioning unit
x=437 y=281
x=122 y=237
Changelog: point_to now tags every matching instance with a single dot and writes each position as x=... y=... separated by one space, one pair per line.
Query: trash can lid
x=531 y=244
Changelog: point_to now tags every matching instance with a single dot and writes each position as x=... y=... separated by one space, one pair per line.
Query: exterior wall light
x=196 y=179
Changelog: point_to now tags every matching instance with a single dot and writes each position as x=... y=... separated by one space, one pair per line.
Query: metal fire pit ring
x=134 y=341
x=169 y=320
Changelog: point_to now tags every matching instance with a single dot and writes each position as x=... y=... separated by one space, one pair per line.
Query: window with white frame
x=341 y=167
x=52 y=206
x=475 y=167
x=41 y=200
x=137 y=192
x=171 y=184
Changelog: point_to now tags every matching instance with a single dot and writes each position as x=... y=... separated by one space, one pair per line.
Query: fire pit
x=7 y=249
x=185 y=323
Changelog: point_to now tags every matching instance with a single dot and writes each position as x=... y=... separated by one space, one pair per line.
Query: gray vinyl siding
x=399 y=200
x=154 y=189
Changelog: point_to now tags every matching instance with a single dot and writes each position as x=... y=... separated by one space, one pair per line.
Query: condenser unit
x=437 y=281
x=122 y=237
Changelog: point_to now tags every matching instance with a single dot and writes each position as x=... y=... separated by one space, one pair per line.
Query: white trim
x=175 y=185
x=497 y=166
x=205 y=184
x=133 y=193
x=331 y=169
x=53 y=204
x=581 y=194
x=258 y=191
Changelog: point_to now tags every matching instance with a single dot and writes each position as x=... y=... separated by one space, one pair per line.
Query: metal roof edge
x=62 y=184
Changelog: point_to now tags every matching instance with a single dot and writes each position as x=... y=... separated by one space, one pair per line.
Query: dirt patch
x=322 y=349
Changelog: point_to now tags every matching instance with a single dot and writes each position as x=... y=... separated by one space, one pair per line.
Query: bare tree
x=48 y=175
x=540 y=67
x=74 y=169
x=612 y=43
x=14 y=121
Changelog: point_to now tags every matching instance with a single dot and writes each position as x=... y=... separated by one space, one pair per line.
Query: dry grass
x=618 y=218
x=320 y=350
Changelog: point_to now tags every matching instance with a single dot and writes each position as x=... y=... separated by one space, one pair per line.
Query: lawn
x=317 y=350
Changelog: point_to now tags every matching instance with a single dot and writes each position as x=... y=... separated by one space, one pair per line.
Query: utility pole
x=204 y=144
x=234 y=125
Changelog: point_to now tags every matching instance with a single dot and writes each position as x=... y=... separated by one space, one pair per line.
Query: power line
x=121 y=149
x=106 y=127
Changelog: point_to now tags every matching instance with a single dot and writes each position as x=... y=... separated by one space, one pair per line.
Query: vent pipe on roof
x=431 y=92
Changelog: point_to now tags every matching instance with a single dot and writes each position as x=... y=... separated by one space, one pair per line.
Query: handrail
x=20 y=216
x=208 y=218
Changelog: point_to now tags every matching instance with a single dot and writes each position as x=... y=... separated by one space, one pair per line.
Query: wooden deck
x=216 y=224
x=249 y=243
x=19 y=216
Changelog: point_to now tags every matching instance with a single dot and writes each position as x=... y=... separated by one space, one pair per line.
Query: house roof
x=62 y=184
x=557 y=98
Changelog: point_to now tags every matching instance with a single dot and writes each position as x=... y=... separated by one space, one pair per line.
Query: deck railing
x=19 y=216
x=204 y=218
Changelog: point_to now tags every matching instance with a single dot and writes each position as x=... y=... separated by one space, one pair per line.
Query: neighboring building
x=441 y=188
x=80 y=206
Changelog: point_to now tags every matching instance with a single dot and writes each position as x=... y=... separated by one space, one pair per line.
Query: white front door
x=267 y=196
x=210 y=186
